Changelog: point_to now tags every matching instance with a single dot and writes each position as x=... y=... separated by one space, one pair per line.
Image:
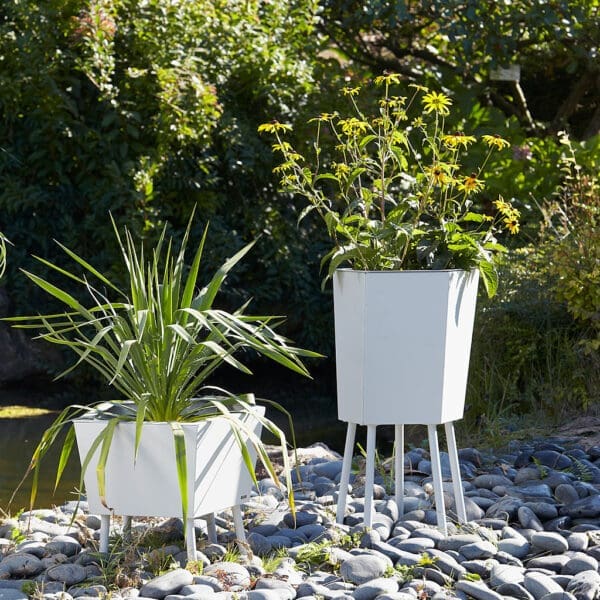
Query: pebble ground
x=533 y=534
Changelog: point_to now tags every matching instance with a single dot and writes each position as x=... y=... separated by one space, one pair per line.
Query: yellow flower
x=458 y=139
x=348 y=91
x=470 y=184
x=512 y=224
x=341 y=169
x=324 y=117
x=273 y=127
x=502 y=205
x=388 y=78
x=437 y=102
x=353 y=126
x=440 y=173
x=495 y=141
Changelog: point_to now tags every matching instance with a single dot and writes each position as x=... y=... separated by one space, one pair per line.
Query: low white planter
x=217 y=475
x=403 y=341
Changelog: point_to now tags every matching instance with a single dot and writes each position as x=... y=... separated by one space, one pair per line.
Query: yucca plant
x=157 y=344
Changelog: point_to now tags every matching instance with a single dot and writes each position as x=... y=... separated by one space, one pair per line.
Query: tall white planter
x=148 y=486
x=403 y=340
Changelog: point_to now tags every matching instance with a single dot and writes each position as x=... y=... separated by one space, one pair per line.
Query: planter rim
x=382 y=271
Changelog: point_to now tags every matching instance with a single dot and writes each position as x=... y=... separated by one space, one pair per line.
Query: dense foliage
x=147 y=109
x=461 y=43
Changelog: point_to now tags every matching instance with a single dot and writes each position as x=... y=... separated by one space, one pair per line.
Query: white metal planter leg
x=190 y=539
x=436 y=470
x=238 y=523
x=345 y=476
x=211 y=528
x=370 y=475
x=104 y=532
x=459 y=499
x=399 y=468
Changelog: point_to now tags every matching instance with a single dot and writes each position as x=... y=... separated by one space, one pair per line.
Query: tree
x=147 y=109
x=460 y=43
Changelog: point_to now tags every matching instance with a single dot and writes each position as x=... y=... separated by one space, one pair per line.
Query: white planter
x=217 y=475
x=403 y=340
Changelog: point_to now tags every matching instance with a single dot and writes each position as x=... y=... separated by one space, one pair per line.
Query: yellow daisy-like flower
x=324 y=117
x=387 y=78
x=470 y=184
x=341 y=169
x=349 y=91
x=440 y=174
x=502 y=205
x=458 y=139
x=273 y=127
x=437 y=102
x=512 y=224
x=353 y=126
x=495 y=141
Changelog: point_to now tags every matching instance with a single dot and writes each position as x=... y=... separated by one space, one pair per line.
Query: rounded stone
x=549 y=541
x=528 y=519
x=236 y=575
x=565 y=493
x=514 y=590
x=63 y=544
x=477 y=590
x=501 y=574
x=559 y=596
x=579 y=562
x=22 y=564
x=69 y=574
x=538 y=584
x=375 y=587
x=585 y=585
x=363 y=568
x=166 y=584
x=481 y=549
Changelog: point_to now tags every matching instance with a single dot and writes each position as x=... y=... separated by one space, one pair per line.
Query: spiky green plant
x=156 y=345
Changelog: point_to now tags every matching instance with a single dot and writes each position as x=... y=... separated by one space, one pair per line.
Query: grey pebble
x=585 y=585
x=539 y=585
x=169 y=583
x=479 y=591
x=549 y=541
x=361 y=569
x=375 y=587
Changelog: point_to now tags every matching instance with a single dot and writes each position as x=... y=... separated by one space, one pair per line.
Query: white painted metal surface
x=148 y=485
x=403 y=342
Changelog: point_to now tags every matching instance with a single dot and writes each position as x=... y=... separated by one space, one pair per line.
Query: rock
x=578 y=562
x=585 y=585
x=363 y=568
x=481 y=549
x=501 y=574
x=549 y=541
x=375 y=587
x=539 y=585
x=69 y=574
x=235 y=575
x=21 y=564
x=479 y=591
x=164 y=585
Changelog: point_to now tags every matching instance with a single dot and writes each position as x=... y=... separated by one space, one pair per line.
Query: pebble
x=534 y=534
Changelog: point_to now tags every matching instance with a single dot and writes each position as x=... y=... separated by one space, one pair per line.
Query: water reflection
x=18 y=439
